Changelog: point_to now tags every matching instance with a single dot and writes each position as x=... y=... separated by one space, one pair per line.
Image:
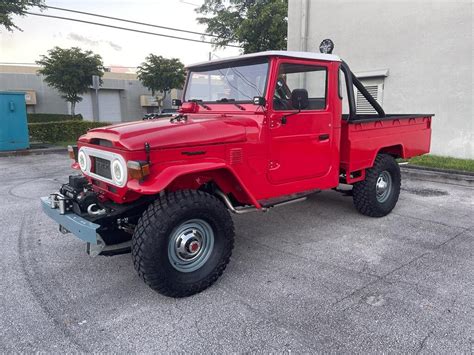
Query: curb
x=438 y=175
x=42 y=151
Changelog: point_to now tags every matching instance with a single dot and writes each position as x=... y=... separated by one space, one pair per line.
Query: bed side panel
x=361 y=141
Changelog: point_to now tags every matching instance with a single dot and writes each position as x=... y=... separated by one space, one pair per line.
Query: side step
x=287 y=199
x=266 y=204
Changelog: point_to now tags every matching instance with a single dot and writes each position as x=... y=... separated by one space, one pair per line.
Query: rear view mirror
x=176 y=102
x=299 y=99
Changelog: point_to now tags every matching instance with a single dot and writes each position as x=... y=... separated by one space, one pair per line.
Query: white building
x=121 y=97
x=415 y=56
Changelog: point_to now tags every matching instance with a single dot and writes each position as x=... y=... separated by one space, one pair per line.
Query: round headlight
x=118 y=172
x=82 y=160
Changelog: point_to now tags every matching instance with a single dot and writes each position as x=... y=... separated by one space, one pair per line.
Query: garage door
x=109 y=106
x=85 y=107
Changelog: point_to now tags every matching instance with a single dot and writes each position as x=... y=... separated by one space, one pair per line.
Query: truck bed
x=365 y=136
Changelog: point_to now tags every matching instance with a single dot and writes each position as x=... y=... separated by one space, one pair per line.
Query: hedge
x=62 y=131
x=51 y=117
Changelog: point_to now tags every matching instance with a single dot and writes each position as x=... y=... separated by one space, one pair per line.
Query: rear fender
x=397 y=151
x=193 y=176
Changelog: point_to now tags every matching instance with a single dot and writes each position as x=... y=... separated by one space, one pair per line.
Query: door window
x=300 y=76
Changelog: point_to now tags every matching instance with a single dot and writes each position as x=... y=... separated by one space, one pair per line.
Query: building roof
x=30 y=69
x=291 y=54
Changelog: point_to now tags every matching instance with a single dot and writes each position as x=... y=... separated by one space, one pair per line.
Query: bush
x=62 y=131
x=51 y=117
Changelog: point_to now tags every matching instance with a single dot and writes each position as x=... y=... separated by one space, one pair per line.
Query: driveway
x=307 y=277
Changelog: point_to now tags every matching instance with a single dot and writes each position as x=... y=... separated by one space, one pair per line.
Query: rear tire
x=378 y=194
x=183 y=243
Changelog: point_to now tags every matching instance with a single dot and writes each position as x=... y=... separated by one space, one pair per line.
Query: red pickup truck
x=253 y=132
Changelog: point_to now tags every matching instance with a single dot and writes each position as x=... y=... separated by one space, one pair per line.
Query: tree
x=15 y=7
x=70 y=71
x=257 y=25
x=160 y=74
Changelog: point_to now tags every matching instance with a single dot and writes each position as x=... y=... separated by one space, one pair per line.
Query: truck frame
x=253 y=132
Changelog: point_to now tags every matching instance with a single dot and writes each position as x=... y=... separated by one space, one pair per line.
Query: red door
x=300 y=148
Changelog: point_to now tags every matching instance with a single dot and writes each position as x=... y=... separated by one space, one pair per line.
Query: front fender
x=171 y=173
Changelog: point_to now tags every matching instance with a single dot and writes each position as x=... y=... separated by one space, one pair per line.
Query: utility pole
x=95 y=98
x=209 y=80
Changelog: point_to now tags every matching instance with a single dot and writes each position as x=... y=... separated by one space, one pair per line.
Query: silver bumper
x=80 y=227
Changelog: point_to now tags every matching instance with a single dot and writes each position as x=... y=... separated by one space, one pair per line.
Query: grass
x=435 y=161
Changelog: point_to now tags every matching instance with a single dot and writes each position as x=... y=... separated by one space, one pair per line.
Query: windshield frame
x=225 y=65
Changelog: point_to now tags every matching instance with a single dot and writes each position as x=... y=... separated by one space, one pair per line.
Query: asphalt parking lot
x=307 y=277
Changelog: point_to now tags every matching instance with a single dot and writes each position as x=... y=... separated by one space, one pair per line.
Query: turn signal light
x=189 y=107
x=138 y=169
x=72 y=151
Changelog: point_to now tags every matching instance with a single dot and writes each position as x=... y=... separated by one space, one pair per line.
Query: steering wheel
x=281 y=97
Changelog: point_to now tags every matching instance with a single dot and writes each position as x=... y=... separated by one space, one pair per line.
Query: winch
x=77 y=196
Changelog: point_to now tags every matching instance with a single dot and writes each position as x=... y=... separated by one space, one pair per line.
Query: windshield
x=232 y=82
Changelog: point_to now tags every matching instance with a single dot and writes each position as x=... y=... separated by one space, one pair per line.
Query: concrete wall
x=48 y=100
x=17 y=78
x=427 y=46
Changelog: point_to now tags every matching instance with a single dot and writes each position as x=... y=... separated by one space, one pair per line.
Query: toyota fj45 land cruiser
x=253 y=132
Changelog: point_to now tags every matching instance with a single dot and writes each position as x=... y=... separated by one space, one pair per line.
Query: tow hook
x=93 y=210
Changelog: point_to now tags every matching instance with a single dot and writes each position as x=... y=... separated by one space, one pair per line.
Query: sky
x=117 y=47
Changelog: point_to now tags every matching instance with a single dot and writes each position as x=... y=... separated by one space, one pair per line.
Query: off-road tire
x=365 y=192
x=155 y=228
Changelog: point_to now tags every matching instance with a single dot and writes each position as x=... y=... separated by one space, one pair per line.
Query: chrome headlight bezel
x=117 y=164
x=83 y=160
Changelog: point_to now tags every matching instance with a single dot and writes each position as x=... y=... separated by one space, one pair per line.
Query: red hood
x=162 y=133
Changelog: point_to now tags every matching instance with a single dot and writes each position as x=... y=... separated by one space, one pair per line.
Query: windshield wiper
x=200 y=103
x=232 y=101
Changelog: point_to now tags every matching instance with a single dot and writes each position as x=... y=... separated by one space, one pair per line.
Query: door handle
x=323 y=137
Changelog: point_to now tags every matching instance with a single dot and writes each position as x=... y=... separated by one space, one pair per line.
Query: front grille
x=102 y=167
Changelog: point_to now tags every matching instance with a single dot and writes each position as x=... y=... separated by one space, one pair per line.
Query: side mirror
x=259 y=101
x=299 y=99
x=176 y=102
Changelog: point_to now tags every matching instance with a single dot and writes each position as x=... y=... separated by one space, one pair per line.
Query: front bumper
x=83 y=229
x=80 y=227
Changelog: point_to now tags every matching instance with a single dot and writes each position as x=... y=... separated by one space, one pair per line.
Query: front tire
x=378 y=194
x=183 y=243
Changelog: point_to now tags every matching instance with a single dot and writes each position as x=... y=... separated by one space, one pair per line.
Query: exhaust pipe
x=237 y=210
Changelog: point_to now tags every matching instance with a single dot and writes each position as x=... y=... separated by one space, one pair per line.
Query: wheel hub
x=383 y=186
x=190 y=245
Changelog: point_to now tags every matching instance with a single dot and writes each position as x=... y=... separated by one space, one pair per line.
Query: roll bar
x=351 y=81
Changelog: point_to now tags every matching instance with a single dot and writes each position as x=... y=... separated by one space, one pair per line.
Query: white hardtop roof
x=291 y=54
